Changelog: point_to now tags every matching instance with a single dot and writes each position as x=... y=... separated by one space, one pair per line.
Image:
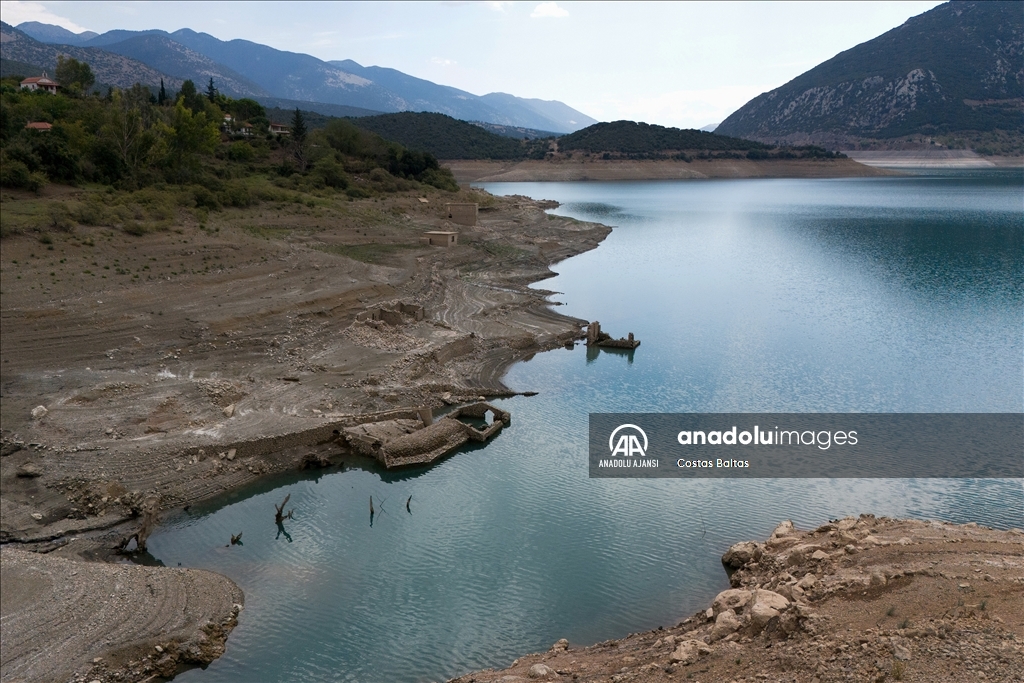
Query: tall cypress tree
x=211 y=90
x=298 y=127
x=162 y=97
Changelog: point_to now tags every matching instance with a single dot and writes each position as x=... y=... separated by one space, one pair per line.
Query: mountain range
x=957 y=69
x=241 y=68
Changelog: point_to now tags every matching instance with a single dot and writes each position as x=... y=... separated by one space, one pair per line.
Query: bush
x=332 y=173
x=236 y=195
x=205 y=199
x=241 y=151
x=14 y=173
x=441 y=178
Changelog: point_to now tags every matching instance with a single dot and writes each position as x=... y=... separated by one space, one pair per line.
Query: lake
x=901 y=294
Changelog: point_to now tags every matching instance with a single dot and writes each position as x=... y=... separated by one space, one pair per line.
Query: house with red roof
x=40 y=83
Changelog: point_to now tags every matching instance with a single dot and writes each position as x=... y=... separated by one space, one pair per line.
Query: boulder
x=808 y=581
x=39 y=412
x=783 y=529
x=819 y=555
x=541 y=671
x=770 y=599
x=29 y=470
x=760 y=615
x=229 y=411
x=689 y=651
x=734 y=599
x=741 y=553
x=561 y=645
x=725 y=624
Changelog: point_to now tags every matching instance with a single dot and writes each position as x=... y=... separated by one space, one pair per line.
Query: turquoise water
x=881 y=295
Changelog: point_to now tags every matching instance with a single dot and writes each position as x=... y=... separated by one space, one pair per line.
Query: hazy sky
x=678 y=64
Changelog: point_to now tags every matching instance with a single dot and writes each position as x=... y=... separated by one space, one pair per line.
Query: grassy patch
x=266 y=232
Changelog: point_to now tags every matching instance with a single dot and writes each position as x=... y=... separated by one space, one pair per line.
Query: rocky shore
x=857 y=599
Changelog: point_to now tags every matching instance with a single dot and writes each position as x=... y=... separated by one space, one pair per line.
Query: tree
x=299 y=140
x=211 y=91
x=162 y=97
x=193 y=100
x=298 y=127
x=126 y=129
x=190 y=136
x=74 y=76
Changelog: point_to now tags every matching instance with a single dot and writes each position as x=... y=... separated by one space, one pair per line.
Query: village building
x=280 y=129
x=463 y=213
x=440 y=238
x=40 y=83
x=41 y=126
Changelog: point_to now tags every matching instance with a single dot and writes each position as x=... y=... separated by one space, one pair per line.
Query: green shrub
x=241 y=151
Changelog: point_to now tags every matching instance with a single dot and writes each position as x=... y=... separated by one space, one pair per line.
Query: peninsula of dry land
x=183 y=363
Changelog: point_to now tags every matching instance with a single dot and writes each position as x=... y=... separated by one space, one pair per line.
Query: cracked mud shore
x=187 y=363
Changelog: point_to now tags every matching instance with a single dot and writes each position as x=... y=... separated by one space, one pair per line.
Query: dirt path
x=859 y=599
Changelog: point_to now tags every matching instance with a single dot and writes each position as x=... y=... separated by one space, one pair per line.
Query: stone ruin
x=406 y=442
x=394 y=316
x=595 y=337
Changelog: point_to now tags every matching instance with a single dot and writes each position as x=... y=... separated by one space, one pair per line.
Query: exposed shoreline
x=199 y=383
x=583 y=168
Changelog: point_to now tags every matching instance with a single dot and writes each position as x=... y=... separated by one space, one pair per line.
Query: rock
x=769 y=598
x=229 y=411
x=877 y=578
x=783 y=529
x=726 y=623
x=741 y=553
x=561 y=645
x=901 y=653
x=231 y=454
x=689 y=651
x=819 y=555
x=541 y=671
x=850 y=549
x=846 y=523
x=109 y=431
x=37 y=516
x=709 y=613
x=39 y=412
x=734 y=599
x=807 y=582
x=29 y=470
x=760 y=615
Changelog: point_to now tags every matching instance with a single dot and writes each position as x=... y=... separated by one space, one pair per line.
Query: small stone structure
x=463 y=213
x=440 y=238
x=595 y=337
x=405 y=442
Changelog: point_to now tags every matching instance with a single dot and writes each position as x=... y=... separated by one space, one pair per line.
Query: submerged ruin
x=406 y=442
x=595 y=337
